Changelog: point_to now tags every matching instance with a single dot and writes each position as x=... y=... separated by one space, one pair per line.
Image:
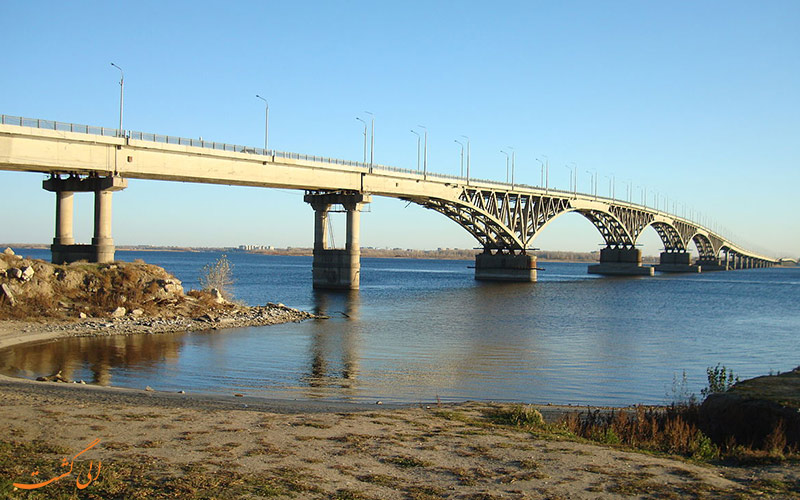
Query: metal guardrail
x=221 y=146
x=54 y=125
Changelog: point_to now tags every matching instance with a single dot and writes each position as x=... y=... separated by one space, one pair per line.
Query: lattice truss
x=620 y=226
x=500 y=220
x=508 y=221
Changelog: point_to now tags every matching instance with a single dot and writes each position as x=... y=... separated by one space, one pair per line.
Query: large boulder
x=752 y=410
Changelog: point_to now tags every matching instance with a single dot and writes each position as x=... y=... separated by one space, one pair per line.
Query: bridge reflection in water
x=332 y=357
x=334 y=344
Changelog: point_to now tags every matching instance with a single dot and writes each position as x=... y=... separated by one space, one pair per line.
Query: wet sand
x=344 y=450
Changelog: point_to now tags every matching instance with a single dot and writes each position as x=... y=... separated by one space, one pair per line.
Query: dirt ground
x=307 y=449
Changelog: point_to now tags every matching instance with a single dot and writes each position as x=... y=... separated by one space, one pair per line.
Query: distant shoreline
x=368 y=252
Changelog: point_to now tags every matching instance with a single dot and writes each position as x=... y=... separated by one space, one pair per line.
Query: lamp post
x=570 y=177
x=425 y=153
x=461 y=171
x=575 y=175
x=513 y=163
x=546 y=173
x=508 y=158
x=121 y=95
x=592 y=182
x=612 y=186
x=541 y=179
x=419 y=139
x=266 y=122
x=467 y=138
x=371 y=141
x=365 y=137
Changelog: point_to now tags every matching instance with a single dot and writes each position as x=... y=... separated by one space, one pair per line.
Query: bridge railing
x=55 y=125
x=221 y=146
x=200 y=143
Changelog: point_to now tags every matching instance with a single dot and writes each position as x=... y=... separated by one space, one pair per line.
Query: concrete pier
x=102 y=248
x=505 y=267
x=677 y=262
x=709 y=265
x=621 y=262
x=336 y=268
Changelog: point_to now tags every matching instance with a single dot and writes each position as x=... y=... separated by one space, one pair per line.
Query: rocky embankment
x=761 y=412
x=119 y=298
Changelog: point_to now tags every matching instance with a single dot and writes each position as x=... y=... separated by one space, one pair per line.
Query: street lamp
x=546 y=174
x=612 y=185
x=575 y=175
x=266 y=122
x=513 y=162
x=508 y=158
x=570 y=176
x=425 y=153
x=371 y=141
x=467 y=138
x=419 y=138
x=541 y=179
x=121 y=95
x=593 y=182
x=365 y=137
x=461 y=171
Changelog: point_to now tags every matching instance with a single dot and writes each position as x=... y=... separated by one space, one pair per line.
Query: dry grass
x=673 y=430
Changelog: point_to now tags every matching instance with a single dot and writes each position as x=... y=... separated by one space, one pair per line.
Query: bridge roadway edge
x=58 y=152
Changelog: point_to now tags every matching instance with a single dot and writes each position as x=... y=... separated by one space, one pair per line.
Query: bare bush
x=218 y=275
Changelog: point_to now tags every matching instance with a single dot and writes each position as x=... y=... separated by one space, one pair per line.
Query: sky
x=695 y=102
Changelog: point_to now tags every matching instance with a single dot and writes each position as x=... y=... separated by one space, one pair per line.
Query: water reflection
x=91 y=358
x=334 y=343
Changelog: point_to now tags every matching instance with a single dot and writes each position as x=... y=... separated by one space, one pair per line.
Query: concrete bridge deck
x=503 y=217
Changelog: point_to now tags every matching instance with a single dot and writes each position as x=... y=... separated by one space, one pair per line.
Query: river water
x=419 y=330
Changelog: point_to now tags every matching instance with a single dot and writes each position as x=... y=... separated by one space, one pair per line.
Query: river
x=419 y=330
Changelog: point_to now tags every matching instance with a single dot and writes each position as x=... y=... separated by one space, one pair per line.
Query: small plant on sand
x=720 y=379
x=523 y=416
x=218 y=275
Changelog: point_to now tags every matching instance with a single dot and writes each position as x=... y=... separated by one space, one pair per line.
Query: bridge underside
x=503 y=219
x=505 y=224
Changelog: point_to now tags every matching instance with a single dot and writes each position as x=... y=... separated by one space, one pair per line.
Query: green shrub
x=720 y=379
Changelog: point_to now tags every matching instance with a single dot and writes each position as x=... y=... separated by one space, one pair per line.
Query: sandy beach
x=158 y=444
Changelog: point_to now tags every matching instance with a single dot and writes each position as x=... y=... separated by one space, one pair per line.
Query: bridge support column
x=64 y=249
x=621 y=262
x=677 y=262
x=505 y=267
x=336 y=268
x=712 y=264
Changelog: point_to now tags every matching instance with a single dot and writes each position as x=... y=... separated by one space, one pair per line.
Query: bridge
x=504 y=218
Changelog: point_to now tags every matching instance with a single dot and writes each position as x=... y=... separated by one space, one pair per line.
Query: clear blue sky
x=697 y=100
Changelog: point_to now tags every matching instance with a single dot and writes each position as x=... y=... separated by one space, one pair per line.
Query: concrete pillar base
x=621 y=262
x=505 y=267
x=64 y=254
x=336 y=269
x=712 y=265
x=676 y=262
x=678 y=268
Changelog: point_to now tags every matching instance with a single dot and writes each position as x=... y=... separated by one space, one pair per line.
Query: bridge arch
x=508 y=222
